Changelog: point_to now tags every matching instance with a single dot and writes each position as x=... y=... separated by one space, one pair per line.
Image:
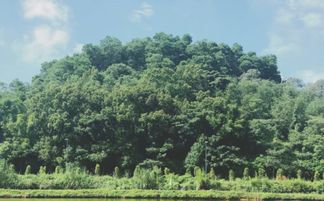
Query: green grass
x=167 y=194
x=74 y=183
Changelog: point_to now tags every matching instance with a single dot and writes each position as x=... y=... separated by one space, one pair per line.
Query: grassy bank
x=167 y=194
x=164 y=182
x=153 y=183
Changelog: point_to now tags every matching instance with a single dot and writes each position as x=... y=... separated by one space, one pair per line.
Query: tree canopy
x=163 y=101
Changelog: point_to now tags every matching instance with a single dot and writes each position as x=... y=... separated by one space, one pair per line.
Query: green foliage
x=261 y=173
x=117 y=173
x=201 y=179
x=76 y=178
x=157 y=194
x=42 y=170
x=197 y=171
x=231 y=175
x=166 y=171
x=97 y=169
x=246 y=173
x=8 y=178
x=58 y=170
x=28 y=170
x=299 y=174
x=279 y=174
x=317 y=176
x=163 y=101
x=147 y=178
x=212 y=174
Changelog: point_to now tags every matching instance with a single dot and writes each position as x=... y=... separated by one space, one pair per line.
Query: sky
x=36 y=31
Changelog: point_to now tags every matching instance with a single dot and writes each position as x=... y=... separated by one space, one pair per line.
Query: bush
x=299 y=174
x=175 y=182
x=58 y=170
x=320 y=187
x=317 y=176
x=201 y=180
x=75 y=178
x=42 y=170
x=261 y=173
x=116 y=172
x=260 y=185
x=28 y=170
x=246 y=173
x=279 y=174
x=8 y=178
x=153 y=178
x=97 y=169
x=212 y=174
x=231 y=175
x=147 y=178
x=167 y=171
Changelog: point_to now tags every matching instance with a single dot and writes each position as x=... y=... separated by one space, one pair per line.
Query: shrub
x=97 y=169
x=320 y=187
x=261 y=173
x=260 y=185
x=299 y=174
x=176 y=182
x=201 y=179
x=29 y=181
x=197 y=171
x=116 y=173
x=231 y=175
x=246 y=173
x=75 y=178
x=212 y=174
x=147 y=178
x=166 y=171
x=8 y=178
x=42 y=170
x=300 y=186
x=317 y=176
x=28 y=170
x=279 y=174
x=58 y=170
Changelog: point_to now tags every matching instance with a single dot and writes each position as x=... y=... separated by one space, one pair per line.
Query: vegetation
x=163 y=101
x=102 y=193
x=156 y=179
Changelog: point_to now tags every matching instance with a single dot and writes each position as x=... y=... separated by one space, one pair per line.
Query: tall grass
x=75 y=178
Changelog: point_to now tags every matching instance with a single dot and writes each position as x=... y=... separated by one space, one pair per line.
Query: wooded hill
x=163 y=101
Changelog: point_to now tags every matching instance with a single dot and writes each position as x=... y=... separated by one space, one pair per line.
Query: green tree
x=97 y=169
x=28 y=170
x=117 y=173
x=246 y=173
x=231 y=175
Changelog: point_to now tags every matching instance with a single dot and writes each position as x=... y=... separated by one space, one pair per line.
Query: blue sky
x=34 y=31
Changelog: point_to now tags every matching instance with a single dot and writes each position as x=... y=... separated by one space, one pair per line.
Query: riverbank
x=165 y=194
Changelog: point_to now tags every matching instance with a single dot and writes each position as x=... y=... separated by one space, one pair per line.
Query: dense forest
x=163 y=101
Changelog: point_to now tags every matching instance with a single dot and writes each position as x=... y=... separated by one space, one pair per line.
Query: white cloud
x=77 y=48
x=146 y=10
x=47 y=9
x=306 y=4
x=283 y=17
x=312 y=20
x=296 y=36
x=279 y=46
x=48 y=39
x=309 y=76
x=44 y=43
x=295 y=21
